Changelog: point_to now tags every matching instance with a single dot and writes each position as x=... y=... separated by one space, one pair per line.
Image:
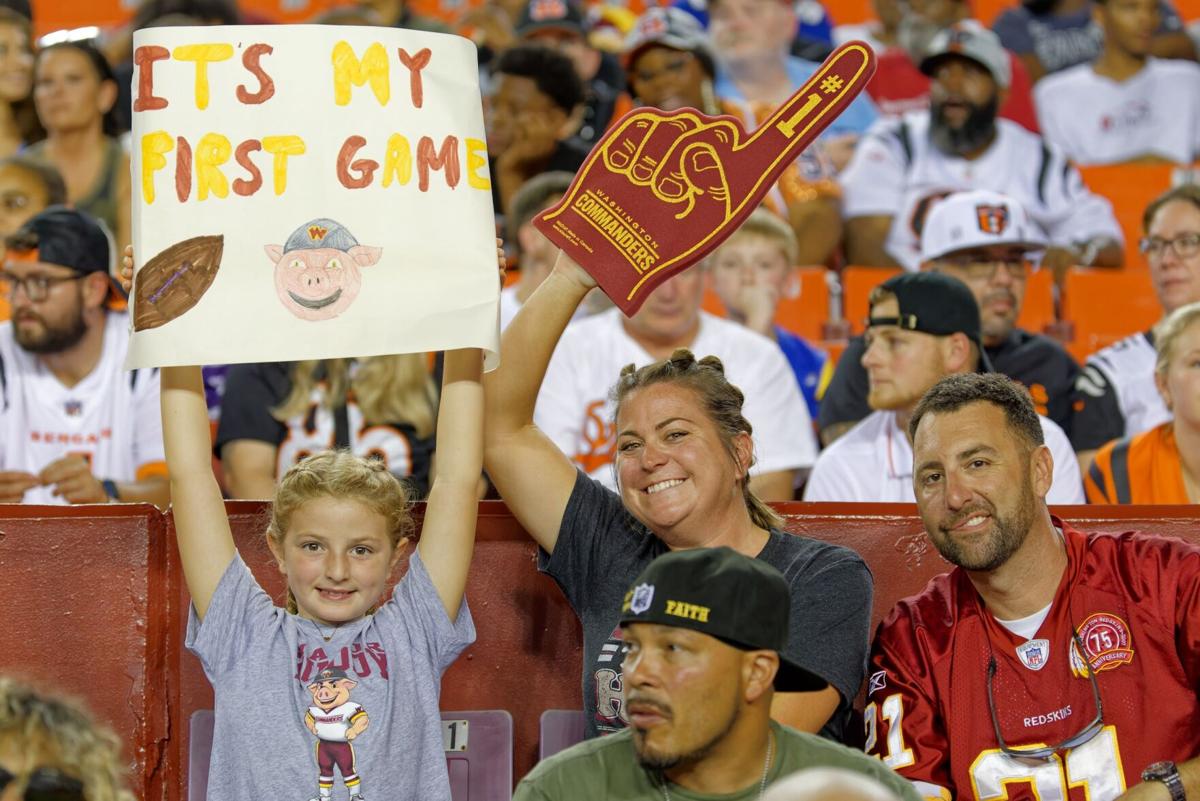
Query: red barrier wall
x=92 y=601
x=82 y=610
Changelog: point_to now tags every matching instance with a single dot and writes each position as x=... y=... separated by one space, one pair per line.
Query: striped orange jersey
x=1144 y=468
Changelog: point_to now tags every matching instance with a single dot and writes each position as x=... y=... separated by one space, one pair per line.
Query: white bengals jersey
x=897 y=172
x=111 y=417
x=1116 y=395
x=333 y=725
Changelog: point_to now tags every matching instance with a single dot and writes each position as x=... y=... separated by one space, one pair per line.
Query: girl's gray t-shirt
x=290 y=706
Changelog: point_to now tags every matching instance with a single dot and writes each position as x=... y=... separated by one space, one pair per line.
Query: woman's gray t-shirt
x=601 y=549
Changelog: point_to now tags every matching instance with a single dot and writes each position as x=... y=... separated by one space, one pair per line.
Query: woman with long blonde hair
x=273 y=415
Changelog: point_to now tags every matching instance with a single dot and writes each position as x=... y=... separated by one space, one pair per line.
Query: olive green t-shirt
x=606 y=769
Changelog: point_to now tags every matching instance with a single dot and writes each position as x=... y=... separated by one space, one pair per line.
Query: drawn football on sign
x=174 y=281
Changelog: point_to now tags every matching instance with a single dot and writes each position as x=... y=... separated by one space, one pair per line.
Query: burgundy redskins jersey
x=1134 y=601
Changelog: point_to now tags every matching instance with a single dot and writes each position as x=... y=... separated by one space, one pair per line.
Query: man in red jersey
x=1050 y=664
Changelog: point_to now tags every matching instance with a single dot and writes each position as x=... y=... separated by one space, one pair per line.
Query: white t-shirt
x=332 y=726
x=111 y=416
x=1096 y=120
x=873 y=462
x=897 y=172
x=509 y=305
x=574 y=411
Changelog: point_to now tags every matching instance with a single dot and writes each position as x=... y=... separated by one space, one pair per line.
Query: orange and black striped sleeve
x=1107 y=480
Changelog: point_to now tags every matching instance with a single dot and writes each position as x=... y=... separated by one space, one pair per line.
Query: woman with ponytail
x=683 y=452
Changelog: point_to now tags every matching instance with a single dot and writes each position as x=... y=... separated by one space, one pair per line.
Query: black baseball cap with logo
x=935 y=303
x=67 y=238
x=743 y=602
x=551 y=15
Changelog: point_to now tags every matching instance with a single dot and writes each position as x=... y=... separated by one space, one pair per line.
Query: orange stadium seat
x=1038 y=310
x=857 y=283
x=849 y=12
x=1104 y=306
x=803 y=314
x=1130 y=188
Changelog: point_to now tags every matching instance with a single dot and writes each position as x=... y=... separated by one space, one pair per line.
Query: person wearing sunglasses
x=74 y=426
x=52 y=751
x=1117 y=395
x=1050 y=663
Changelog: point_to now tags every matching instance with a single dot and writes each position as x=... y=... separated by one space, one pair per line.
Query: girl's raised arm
x=201 y=525
x=448 y=534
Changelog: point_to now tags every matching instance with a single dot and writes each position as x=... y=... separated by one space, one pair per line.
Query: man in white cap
x=985 y=240
x=903 y=166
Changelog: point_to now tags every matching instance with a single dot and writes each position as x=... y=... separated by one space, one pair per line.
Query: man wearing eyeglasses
x=74 y=426
x=986 y=240
x=1116 y=391
x=922 y=327
x=1050 y=663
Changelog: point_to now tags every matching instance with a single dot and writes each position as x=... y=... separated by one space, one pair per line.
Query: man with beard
x=985 y=240
x=703 y=629
x=1033 y=668
x=74 y=426
x=899 y=87
x=922 y=327
x=903 y=166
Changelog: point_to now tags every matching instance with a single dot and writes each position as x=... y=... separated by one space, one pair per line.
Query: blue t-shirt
x=808 y=363
x=857 y=117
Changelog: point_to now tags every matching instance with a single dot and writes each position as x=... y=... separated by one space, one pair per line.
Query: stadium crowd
x=641 y=453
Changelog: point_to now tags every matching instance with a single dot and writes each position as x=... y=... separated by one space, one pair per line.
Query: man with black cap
x=903 y=166
x=74 y=427
x=986 y=240
x=704 y=631
x=922 y=327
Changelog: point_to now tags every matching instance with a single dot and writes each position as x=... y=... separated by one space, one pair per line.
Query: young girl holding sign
x=334 y=690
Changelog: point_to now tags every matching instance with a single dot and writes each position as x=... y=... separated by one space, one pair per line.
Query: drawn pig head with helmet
x=317 y=272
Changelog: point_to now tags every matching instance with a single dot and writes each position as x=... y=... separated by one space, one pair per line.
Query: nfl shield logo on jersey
x=1034 y=653
x=643 y=594
x=992 y=219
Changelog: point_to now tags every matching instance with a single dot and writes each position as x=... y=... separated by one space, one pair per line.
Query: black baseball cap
x=551 y=15
x=67 y=238
x=938 y=304
x=741 y=601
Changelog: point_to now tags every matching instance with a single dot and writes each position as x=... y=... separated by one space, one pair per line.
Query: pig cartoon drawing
x=317 y=272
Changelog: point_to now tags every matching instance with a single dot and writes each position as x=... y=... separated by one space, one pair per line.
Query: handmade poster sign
x=307 y=192
x=662 y=190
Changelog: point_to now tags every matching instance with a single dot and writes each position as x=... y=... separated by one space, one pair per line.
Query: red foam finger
x=660 y=191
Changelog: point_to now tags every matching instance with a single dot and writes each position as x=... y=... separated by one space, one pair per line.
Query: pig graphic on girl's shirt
x=317 y=272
